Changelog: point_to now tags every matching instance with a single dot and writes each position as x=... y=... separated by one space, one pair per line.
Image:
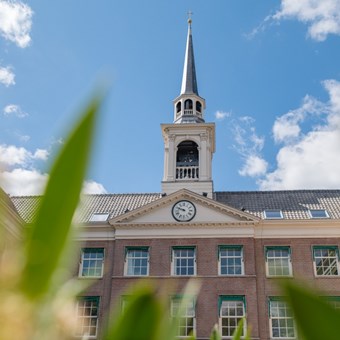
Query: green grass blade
x=50 y=231
x=215 y=334
x=238 y=331
x=315 y=318
x=140 y=320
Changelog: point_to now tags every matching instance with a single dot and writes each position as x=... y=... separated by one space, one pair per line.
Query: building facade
x=237 y=244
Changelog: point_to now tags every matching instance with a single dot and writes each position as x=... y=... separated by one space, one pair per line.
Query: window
x=334 y=301
x=184 y=308
x=326 y=260
x=137 y=261
x=231 y=312
x=99 y=217
x=230 y=260
x=318 y=213
x=273 y=214
x=281 y=322
x=278 y=261
x=184 y=261
x=92 y=262
x=87 y=317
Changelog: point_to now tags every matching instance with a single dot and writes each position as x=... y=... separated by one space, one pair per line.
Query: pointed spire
x=189 y=82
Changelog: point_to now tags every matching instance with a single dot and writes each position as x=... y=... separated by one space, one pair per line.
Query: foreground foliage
x=36 y=303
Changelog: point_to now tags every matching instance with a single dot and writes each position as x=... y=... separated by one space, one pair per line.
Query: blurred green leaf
x=141 y=319
x=50 y=231
x=239 y=330
x=316 y=319
x=215 y=334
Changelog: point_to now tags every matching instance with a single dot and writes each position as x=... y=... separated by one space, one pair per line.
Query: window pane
x=187 y=314
x=137 y=262
x=231 y=261
x=278 y=262
x=325 y=261
x=281 y=320
x=92 y=260
x=184 y=261
x=231 y=312
x=87 y=317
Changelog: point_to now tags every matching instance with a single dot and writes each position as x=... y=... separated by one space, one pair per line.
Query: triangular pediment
x=207 y=211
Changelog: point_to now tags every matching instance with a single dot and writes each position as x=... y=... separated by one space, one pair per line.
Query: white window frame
x=268 y=211
x=220 y=257
x=99 y=217
x=187 y=312
x=336 y=257
x=83 y=259
x=272 y=318
x=278 y=258
x=174 y=257
x=82 y=316
x=234 y=303
x=318 y=217
x=132 y=259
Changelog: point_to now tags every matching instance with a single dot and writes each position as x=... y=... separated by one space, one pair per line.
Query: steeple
x=189 y=81
x=189 y=143
x=189 y=106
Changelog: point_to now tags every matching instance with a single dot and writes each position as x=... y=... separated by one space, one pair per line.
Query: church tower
x=189 y=143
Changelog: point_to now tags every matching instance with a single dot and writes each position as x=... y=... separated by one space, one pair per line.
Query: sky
x=269 y=71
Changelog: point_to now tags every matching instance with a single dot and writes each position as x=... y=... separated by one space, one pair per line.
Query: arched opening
x=198 y=107
x=187 y=160
x=178 y=107
x=188 y=104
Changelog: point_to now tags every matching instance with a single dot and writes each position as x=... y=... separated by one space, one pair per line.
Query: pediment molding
x=242 y=217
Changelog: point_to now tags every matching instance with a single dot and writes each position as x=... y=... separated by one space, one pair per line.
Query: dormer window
x=99 y=217
x=318 y=213
x=273 y=214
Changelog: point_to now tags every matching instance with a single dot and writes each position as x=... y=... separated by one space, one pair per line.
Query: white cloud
x=311 y=160
x=24 y=138
x=7 y=76
x=13 y=109
x=22 y=182
x=254 y=166
x=19 y=176
x=41 y=154
x=322 y=16
x=220 y=115
x=92 y=187
x=249 y=145
x=16 y=22
x=287 y=127
x=11 y=155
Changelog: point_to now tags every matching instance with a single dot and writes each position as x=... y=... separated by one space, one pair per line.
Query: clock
x=183 y=211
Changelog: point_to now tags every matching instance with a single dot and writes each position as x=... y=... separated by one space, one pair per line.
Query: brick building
x=236 y=243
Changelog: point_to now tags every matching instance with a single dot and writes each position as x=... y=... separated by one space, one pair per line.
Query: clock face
x=183 y=211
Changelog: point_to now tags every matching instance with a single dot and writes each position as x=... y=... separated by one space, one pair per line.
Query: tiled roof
x=294 y=204
x=114 y=204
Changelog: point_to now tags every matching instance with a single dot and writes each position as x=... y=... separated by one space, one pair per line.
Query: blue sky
x=269 y=71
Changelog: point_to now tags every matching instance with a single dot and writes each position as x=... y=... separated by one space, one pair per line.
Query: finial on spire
x=190 y=17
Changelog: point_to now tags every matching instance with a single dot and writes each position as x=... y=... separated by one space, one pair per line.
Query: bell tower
x=189 y=142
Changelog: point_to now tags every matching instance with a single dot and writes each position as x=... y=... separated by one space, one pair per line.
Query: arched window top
x=178 y=107
x=198 y=106
x=187 y=154
x=188 y=104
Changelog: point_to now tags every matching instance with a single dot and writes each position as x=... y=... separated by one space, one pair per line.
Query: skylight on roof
x=318 y=213
x=273 y=214
x=99 y=217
